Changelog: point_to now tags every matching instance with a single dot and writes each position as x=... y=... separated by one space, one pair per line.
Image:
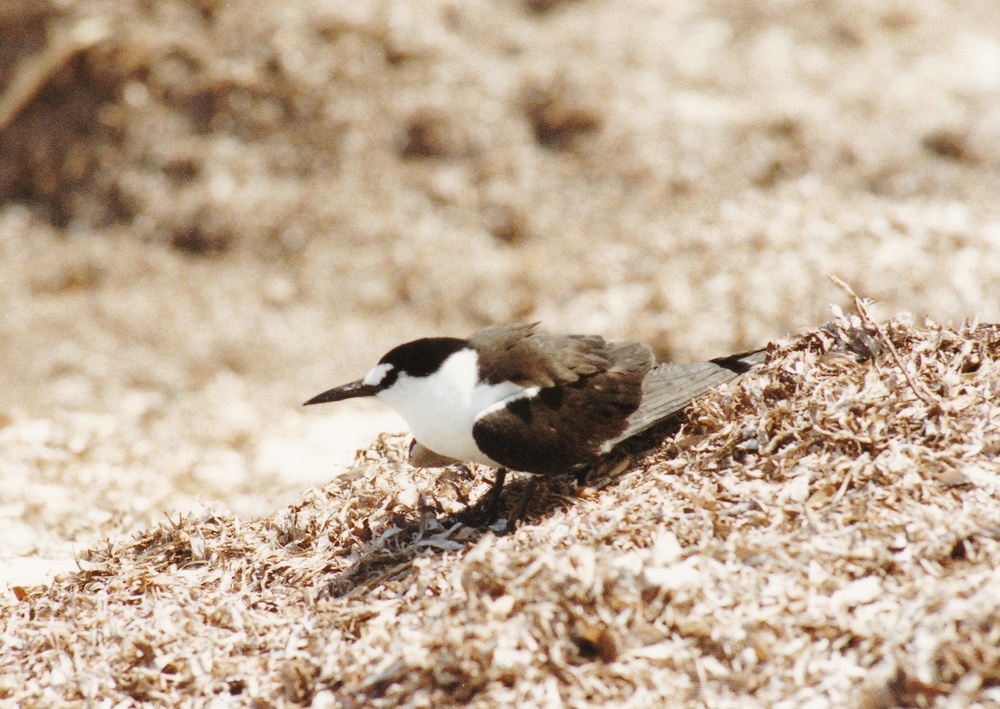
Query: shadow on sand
x=526 y=499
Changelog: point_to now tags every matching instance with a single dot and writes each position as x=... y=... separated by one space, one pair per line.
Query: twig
x=925 y=395
x=36 y=71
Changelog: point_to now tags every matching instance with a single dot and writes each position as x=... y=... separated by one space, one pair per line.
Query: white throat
x=442 y=408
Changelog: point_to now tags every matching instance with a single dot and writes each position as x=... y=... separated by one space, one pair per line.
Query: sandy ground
x=822 y=532
x=211 y=211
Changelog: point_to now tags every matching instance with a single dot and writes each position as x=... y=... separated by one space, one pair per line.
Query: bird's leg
x=526 y=499
x=492 y=507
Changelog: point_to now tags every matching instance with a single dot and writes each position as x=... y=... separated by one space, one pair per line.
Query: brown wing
x=532 y=357
x=561 y=428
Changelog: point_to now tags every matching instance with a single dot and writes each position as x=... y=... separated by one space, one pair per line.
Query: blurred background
x=211 y=211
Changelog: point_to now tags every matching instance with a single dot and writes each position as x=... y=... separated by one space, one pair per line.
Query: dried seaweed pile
x=825 y=529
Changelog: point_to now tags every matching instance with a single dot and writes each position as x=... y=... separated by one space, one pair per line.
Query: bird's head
x=398 y=368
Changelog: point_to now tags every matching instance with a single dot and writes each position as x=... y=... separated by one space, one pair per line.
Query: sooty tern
x=515 y=397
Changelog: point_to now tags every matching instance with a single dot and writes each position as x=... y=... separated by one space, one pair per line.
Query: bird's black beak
x=354 y=390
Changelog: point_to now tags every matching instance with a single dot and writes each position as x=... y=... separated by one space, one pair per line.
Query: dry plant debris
x=815 y=534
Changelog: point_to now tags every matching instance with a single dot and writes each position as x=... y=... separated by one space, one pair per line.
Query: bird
x=519 y=398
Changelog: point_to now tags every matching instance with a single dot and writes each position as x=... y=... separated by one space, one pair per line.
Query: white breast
x=442 y=408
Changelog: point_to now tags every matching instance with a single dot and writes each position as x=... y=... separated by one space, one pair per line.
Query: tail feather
x=668 y=388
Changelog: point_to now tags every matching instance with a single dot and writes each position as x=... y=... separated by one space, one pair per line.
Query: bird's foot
x=486 y=511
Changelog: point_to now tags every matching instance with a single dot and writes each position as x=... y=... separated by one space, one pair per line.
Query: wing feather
x=585 y=389
x=668 y=388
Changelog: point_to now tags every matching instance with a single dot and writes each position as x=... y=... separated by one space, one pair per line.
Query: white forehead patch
x=375 y=377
